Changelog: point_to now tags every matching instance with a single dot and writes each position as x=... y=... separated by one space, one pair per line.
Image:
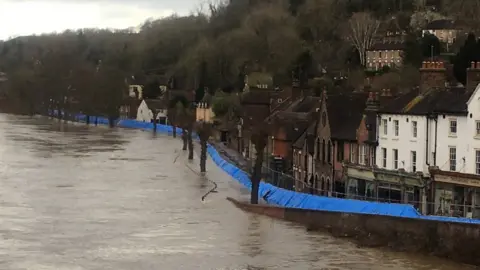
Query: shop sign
x=463 y=181
x=360 y=174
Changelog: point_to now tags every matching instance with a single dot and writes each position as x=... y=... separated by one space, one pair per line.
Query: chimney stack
x=473 y=76
x=432 y=75
x=373 y=103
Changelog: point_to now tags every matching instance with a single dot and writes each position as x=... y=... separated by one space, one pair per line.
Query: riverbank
x=392 y=225
x=455 y=241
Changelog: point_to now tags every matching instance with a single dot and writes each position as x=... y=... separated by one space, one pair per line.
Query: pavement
x=231 y=155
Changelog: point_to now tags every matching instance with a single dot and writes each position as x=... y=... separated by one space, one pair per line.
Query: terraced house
x=427 y=147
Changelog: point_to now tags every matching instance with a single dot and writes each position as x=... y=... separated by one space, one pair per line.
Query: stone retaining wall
x=456 y=241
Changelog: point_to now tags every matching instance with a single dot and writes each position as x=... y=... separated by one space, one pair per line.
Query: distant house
x=385 y=54
x=444 y=30
x=150 y=109
x=135 y=91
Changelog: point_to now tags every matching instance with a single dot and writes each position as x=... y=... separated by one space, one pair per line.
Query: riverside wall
x=451 y=240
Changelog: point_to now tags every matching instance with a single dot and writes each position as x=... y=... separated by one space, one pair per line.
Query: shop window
x=453 y=158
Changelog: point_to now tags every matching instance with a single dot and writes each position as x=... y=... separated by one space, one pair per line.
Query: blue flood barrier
x=287 y=198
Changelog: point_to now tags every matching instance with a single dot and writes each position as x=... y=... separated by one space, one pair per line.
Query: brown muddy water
x=73 y=197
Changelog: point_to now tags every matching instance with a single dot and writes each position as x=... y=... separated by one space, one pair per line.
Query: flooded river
x=73 y=197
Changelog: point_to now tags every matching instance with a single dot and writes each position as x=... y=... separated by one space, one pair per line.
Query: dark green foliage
x=468 y=53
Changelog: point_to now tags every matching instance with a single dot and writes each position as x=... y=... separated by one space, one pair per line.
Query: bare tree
x=204 y=131
x=465 y=12
x=361 y=30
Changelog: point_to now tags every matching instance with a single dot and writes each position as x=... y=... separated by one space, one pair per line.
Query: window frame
x=396 y=128
x=452 y=166
x=395 y=158
x=385 y=126
x=414 y=129
x=413 y=157
x=450 y=126
x=384 y=157
x=477 y=128
x=362 y=154
x=477 y=161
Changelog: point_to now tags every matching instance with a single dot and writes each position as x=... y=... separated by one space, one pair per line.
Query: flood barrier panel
x=291 y=199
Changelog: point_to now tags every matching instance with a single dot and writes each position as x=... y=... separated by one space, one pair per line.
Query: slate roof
x=307 y=104
x=295 y=129
x=256 y=98
x=155 y=104
x=451 y=101
x=440 y=25
x=300 y=142
x=387 y=46
x=345 y=111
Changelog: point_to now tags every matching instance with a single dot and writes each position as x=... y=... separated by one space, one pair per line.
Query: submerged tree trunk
x=184 y=139
x=203 y=156
x=111 y=122
x=260 y=144
x=190 y=144
x=256 y=177
x=174 y=131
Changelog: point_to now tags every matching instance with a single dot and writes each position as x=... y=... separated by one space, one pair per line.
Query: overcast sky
x=25 y=17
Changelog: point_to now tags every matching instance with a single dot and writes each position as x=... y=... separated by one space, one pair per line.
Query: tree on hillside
x=361 y=30
x=465 y=13
x=430 y=46
x=413 y=54
x=470 y=52
x=318 y=23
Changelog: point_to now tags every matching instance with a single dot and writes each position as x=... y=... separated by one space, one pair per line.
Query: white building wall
x=405 y=142
x=447 y=140
x=472 y=140
x=144 y=114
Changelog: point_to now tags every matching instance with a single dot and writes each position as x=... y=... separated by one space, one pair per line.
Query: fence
x=286 y=197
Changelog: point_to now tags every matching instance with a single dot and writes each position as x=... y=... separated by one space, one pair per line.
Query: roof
x=446 y=100
x=300 y=142
x=440 y=25
x=256 y=98
x=155 y=104
x=345 y=111
x=387 y=46
x=306 y=104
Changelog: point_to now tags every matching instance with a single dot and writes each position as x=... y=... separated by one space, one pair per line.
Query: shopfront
x=360 y=184
x=456 y=194
x=386 y=186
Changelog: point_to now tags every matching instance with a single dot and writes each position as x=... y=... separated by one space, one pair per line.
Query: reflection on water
x=76 y=197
